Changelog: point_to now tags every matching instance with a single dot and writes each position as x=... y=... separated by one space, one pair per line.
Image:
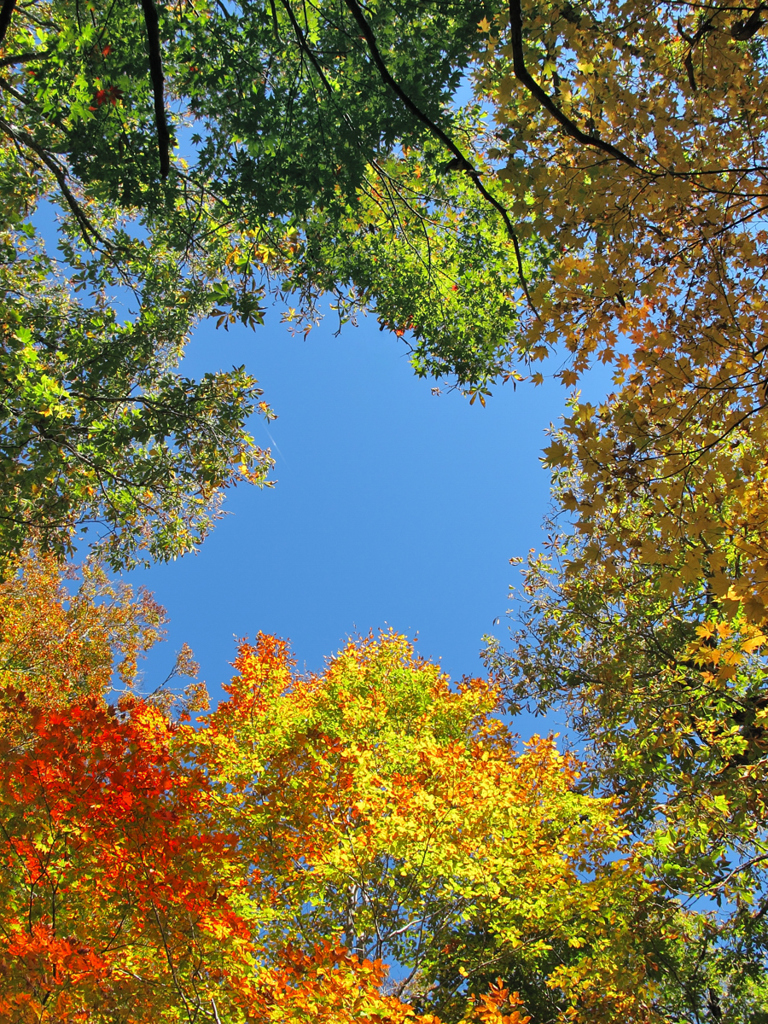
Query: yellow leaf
x=749 y=646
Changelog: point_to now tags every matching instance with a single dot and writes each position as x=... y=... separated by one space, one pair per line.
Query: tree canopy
x=199 y=156
x=632 y=140
x=665 y=695
x=504 y=186
x=99 y=430
x=601 y=196
x=307 y=833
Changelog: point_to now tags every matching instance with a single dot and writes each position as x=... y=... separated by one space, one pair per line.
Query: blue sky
x=392 y=507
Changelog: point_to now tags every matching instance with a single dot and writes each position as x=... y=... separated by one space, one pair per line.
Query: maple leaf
x=557 y=454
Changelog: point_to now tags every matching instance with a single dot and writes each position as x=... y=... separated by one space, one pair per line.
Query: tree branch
x=152 y=25
x=22 y=58
x=462 y=162
x=22 y=138
x=304 y=46
x=525 y=78
x=6 y=13
x=742 y=867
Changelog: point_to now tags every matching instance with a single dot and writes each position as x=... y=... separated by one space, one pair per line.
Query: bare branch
x=305 y=47
x=719 y=882
x=22 y=58
x=26 y=140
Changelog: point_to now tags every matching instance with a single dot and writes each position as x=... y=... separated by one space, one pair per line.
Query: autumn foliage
x=372 y=843
x=110 y=886
x=364 y=845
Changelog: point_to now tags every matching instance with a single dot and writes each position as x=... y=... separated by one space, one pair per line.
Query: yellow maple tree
x=633 y=140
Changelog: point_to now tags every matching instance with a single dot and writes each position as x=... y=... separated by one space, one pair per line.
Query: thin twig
x=24 y=139
x=742 y=867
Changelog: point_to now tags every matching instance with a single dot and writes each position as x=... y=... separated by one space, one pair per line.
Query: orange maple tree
x=65 y=635
x=113 y=901
x=120 y=885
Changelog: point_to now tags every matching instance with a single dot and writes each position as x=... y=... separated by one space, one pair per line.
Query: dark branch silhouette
x=6 y=13
x=461 y=161
x=306 y=49
x=525 y=78
x=156 y=75
x=23 y=139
